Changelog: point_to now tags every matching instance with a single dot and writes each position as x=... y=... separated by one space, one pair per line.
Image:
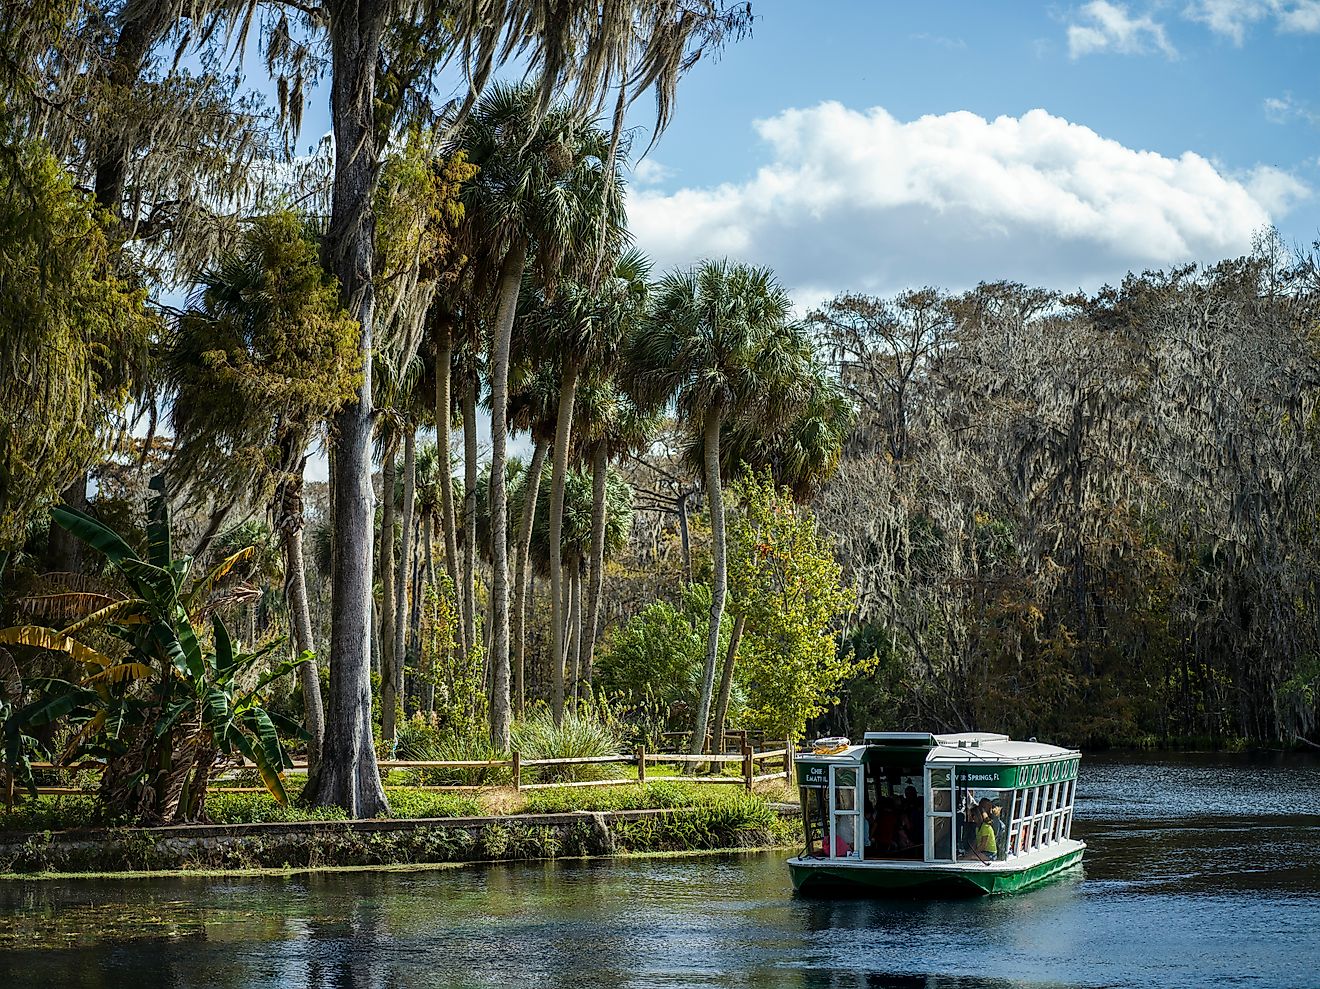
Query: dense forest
x=567 y=491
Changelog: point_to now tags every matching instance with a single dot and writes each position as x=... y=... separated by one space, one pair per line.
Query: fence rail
x=747 y=760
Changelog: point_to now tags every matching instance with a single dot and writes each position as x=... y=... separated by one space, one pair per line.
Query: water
x=1201 y=871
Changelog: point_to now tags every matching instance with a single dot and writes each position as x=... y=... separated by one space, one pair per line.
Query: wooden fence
x=749 y=760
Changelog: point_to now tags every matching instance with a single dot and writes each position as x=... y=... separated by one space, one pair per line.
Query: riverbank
x=730 y=821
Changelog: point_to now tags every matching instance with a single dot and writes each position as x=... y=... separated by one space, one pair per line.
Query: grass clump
x=419 y=741
x=583 y=732
x=430 y=803
x=631 y=796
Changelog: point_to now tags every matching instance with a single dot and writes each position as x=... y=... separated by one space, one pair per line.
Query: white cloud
x=1232 y=18
x=1108 y=27
x=648 y=172
x=1276 y=190
x=1286 y=108
x=862 y=201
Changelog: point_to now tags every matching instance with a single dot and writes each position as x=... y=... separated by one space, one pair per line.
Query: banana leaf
x=93 y=533
x=159 y=547
x=199 y=592
x=47 y=638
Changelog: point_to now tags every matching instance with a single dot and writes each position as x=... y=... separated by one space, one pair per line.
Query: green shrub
x=629 y=796
x=457 y=748
x=431 y=803
x=583 y=732
x=261 y=808
x=50 y=814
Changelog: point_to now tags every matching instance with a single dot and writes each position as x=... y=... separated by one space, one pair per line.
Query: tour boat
x=916 y=813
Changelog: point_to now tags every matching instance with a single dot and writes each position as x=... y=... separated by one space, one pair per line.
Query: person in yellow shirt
x=987 y=844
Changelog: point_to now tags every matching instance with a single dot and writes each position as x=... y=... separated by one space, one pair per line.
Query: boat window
x=1068 y=808
x=978 y=806
x=846 y=814
x=940 y=816
x=1015 y=815
x=1030 y=821
x=814 y=802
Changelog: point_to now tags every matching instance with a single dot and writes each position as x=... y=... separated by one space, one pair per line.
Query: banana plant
x=164 y=703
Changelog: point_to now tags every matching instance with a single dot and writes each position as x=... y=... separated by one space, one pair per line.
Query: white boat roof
x=960 y=748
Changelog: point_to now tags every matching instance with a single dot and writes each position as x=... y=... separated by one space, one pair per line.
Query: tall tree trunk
x=522 y=564
x=684 y=535
x=501 y=337
x=421 y=542
x=428 y=687
x=289 y=524
x=558 y=472
x=403 y=580
x=63 y=549
x=348 y=775
x=711 y=450
x=388 y=696
x=596 y=561
x=575 y=627
x=726 y=683
x=470 y=516
x=444 y=441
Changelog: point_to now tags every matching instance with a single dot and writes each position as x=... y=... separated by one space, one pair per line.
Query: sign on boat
x=912 y=812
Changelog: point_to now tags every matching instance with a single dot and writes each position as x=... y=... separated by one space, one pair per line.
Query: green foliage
x=262 y=808
x=406 y=802
x=73 y=333
x=166 y=702
x=423 y=740
x=655 y=660
x=786 y=583
x=629 y=796
x=263 y=355
x=419 y=214
x=460 y=704
x=585 y=730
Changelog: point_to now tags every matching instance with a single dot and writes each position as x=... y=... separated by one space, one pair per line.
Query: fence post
x=788 y=759
x=517 y=770
x=749 y=767
x=641 y=764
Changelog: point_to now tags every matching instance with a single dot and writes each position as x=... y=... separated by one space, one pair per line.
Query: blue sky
x=873 y=146
x=1130 y=91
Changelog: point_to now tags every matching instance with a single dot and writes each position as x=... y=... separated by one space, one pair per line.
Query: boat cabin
x=919 y=797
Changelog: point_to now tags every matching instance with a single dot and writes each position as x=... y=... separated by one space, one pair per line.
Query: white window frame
x=835 y=815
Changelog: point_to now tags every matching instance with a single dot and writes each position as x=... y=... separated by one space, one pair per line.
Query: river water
x=1200 y=871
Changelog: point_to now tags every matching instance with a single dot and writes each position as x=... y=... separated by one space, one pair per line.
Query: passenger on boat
x=988 y=806
x=885 y=831
x=986 y=842
x=842 y=847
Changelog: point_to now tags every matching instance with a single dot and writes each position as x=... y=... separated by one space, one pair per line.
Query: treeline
x=453 y=259
x=1087 y=517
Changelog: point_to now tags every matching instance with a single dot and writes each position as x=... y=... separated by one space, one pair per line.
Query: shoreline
x=387 y=843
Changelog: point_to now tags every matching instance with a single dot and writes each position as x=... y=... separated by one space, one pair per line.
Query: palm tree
x=539 y=193
x=613 y=425
x=715 y=344
x=532 y=408
x=584 y=326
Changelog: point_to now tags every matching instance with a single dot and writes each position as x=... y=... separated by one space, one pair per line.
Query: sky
x=873 y=146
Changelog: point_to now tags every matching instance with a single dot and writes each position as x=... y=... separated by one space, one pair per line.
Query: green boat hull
x=823 y=878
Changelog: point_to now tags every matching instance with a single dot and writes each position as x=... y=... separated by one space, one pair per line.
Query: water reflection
x=1176 y=889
